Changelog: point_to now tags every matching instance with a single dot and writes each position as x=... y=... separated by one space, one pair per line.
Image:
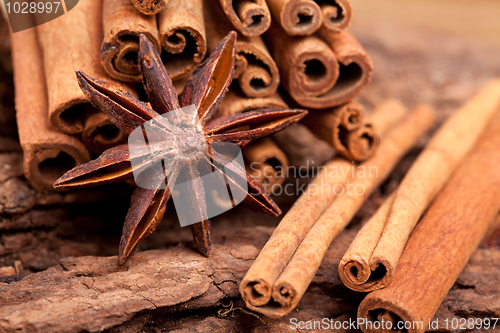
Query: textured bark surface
x=40 y=229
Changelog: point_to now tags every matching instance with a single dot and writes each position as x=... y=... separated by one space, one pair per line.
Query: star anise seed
x=179 y=132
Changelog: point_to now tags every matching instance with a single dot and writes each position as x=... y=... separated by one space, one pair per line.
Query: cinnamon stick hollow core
x=337 y=14
x=354 y=72
x=48 y=153
x=266 y=163
x=442 y=243
x=255 y=70
x=297 y=17
x=122 y=24
x=344 y=129
x=182 y=36
x=250 y=17
x=100 y=134
x=308 y=66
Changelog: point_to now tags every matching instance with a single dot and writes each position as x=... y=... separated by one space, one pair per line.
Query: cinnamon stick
x=366 y=268
x=100 y=134
x=297 y=17
x=71 y=42
x=236 y=101
x=300 y=270
x=122 y=24
x=255 y=69
x=256 y=286
x=266 y=163
x=344 y=129
x=337 y=14
x=182 y=36
x=307 y=65
x=48 y=154
x=443 y=241
x=250 y=17
x=150 y=7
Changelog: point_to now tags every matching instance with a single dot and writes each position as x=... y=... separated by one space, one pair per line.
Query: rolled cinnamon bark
x=266 y=163
x=297 y=17
x=122 y=24
x=48 y=154
x=100 y=134
x=337 y=14
x=150 y=7
x=307 y=65
x=344 y=129
x=250 y=17
x=255 y=69
x=68 y=43
x=428 y=174
x=235 y=102
x=256 y=286
x=353 y=68
x=182 y=36
x=442 y=243
x=300 y=270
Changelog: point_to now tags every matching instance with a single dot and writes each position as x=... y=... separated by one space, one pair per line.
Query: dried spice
x=182 y=139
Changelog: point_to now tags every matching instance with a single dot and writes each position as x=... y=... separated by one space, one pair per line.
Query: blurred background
x=478 y=18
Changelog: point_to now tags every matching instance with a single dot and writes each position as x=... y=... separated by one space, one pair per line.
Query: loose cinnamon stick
x=297 y=17
x=182 y=36
x=337 y=14
x=150 y=7
x=256 y=286
x=236 y=101
x=250 y=17
x=443 y=241
x=266 y=163
x=307 y=65
x=100 y=134
x=71 y=42
x=300 y=270
x=48 y=154
x=344 y=129
x=255 y=69
x=122 y=24
x=374 y=268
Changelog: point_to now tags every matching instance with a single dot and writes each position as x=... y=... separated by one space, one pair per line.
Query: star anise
x=181 y=144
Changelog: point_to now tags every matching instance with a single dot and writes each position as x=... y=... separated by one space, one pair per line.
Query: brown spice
x=373 y=256
x=344 y=129
x=300 y=270
x=236 y=101
x=256 y=286
x=297 y=17
x=251 y=18
x=443 y=241
x=182 y=36
x=122 y=23
x=255 y=69
x=47 y=152
x=307 y=65
x=150 y=7
x=100 y=133
x=71 y=42
x=266 y=163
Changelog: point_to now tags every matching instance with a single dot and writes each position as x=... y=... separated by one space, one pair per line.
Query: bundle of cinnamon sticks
x=302 y=45
x=412 y=271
